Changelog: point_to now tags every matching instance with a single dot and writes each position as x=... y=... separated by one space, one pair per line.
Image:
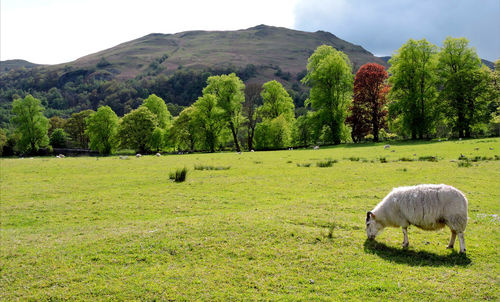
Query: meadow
x=280 y=225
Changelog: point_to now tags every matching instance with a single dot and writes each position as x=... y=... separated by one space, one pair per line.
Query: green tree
x=157 y=139
x=56 y=122
x=252 y=101
x=273 y=134
x=331 y=81
x=302 y=131
x=208 y=117
x=184 y=131
x=58 y=138
x=413 y=93
x=465 y=85
x=30 y=123
x=3 y=140
x=75 y=126
x=102 y=128
x=136 y=128
x=158 y=107
x=276 y=102
x=228 y=90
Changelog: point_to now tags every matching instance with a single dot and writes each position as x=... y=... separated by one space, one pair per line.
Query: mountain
x=173 y=66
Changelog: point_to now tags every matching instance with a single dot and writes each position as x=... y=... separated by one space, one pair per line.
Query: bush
x=306 y=165
x=464 y=164
x=179 y=175
x=383 y=160
x=326 y=163
x=58 y=138
x=405 y=159
x=203 y=167
x=428 y=158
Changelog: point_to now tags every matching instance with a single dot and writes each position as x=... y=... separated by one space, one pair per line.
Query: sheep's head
x=372 y=226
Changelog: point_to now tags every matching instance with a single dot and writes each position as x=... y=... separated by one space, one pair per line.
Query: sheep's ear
x=368 y=215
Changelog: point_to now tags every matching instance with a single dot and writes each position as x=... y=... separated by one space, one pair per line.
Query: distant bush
x=179 y=175
x=406 y=159
x=204 y=167
x=428 y=158
x=383 y=160
x=326 y=163
x=353 y=158
x=306 y=165
x=464 y=164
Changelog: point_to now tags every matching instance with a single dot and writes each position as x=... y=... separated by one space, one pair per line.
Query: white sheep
x=429 y=207
x=316 y=147
x=387 y=146
x=158 y=154
x=138 y=155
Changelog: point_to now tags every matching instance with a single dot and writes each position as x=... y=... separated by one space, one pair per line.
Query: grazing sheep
x=316 y=147
x=252 y=150
x=429 y=207
x=158 y=154
x=138 y=155
x=387 y=146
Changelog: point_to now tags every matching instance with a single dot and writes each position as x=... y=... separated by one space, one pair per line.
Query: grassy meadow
x=250 y=226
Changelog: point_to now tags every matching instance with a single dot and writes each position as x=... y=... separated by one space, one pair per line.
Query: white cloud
x=58 y=31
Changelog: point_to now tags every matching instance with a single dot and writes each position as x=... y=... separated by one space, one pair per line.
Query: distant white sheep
x=158 y=154
x=429 y=207
x=138 y=155
x=387 y=146
x=316 y=147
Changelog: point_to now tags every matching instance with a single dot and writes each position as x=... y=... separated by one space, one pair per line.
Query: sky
x=59 y=31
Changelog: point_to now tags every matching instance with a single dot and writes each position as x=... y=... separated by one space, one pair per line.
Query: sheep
x=158 y=154
x=387 y=147
x=316 y=147
x=138 y=155
x=429 y=207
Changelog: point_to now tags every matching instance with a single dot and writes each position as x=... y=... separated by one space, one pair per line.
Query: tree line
x=427 y=92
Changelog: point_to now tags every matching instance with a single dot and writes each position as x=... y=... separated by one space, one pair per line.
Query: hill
x=173 y=66
x=6 y=66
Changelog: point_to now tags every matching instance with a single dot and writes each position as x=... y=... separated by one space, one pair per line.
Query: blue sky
x=58 y=31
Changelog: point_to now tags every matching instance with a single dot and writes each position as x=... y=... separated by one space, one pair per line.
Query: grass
x=208 y=167
x=110 y=229
x=179 y=175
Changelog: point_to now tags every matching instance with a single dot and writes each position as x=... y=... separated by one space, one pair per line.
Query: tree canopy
x=102 y=127
x=136 y=128
x=30 y=123
x=329 y=75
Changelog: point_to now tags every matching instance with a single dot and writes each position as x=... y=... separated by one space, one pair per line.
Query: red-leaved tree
x=367 y=112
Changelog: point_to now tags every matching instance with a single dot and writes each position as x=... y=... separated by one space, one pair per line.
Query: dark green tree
x=208 y=117
x=136 y=128
x=75 y=126
x=59 y=138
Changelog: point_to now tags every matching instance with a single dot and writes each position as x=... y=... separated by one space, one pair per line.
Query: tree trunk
x=235 y=136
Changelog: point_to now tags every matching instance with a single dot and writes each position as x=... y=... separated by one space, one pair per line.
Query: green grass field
x=266 y=226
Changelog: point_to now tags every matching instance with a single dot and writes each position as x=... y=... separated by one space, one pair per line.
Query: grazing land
x=267 y=225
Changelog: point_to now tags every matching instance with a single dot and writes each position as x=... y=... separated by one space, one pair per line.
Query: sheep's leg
x=462 y=242
x=405 y=240
x=452 y=240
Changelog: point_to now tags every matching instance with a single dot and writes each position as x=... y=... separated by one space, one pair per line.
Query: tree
x=367 y=110
x=464 y=85
x=330 y=78
x=75 y=126
x=302 y=131
x=3 y=140
x=184 y=130
x=208 y=117
x=275 y=102
x=56 y=122
x=136 y=128
x=157 y=139
x=273 y=134
x=158 y=107
x=228 y=90
x=102 y=127
x=58 y=138
x=30 y=124
x=413 y=80
x=252 y=100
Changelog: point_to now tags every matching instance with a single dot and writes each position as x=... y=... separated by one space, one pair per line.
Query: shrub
x=353 y=158
x=179 y=175
x=405 y=159
x=326 y=163
x=383 y=160
x=428 y=158
x=464 y=164
x=204 y=167
x=306 y=165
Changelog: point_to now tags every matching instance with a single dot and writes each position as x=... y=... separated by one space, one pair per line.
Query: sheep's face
x=372 y=226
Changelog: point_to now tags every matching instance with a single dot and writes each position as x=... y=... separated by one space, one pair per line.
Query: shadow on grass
x=413 y=258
